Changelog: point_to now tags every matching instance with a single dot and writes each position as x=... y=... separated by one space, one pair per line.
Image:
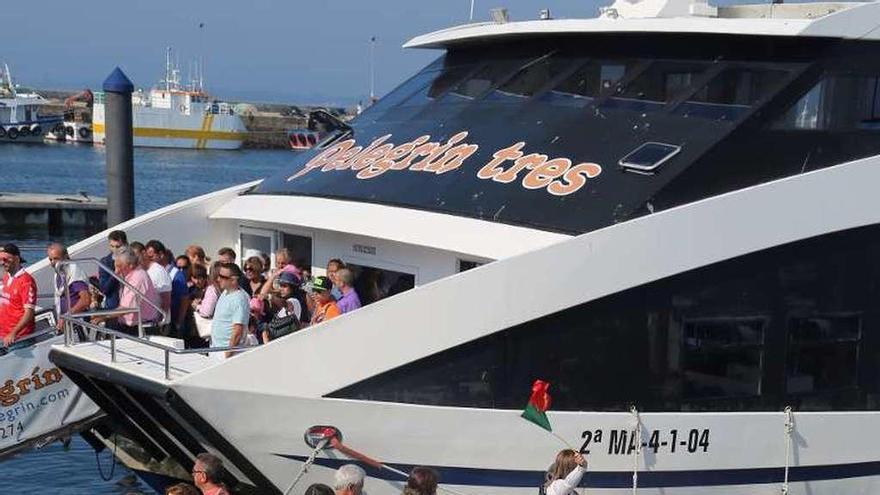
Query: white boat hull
x=170 y=128
x=497 y=452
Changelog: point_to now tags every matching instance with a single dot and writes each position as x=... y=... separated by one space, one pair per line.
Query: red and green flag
x=539 y=402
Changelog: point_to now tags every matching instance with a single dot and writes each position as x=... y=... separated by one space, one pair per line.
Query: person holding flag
x=566 y=473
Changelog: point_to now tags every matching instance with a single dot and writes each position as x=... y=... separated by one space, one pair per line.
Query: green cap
x=320 y=284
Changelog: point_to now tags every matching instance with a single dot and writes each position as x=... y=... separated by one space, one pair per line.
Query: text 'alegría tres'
x=558 y=176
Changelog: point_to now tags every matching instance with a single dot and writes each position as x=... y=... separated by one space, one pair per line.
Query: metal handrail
x=114 y=334
x=139 y=296
x=26 y=338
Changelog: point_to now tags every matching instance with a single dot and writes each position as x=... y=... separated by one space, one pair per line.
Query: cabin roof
x=848 y=20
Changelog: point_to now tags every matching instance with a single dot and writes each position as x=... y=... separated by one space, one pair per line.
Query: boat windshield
x=536 y=135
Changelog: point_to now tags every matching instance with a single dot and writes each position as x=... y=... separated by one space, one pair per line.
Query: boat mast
x=9 y=82
x=168 y=69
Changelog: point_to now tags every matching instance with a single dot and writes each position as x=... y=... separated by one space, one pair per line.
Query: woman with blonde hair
x=566 y=473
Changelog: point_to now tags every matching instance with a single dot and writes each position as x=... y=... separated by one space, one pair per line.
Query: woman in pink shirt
x=128 y=267
x=205 y=306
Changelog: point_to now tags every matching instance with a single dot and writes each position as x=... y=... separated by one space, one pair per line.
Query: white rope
x=305 y=468
x=789 y=429
x=637 y=452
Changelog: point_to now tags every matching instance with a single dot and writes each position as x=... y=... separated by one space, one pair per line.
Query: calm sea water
x=161 y=177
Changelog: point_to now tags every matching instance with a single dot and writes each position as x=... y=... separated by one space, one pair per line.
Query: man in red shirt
x=18 y=298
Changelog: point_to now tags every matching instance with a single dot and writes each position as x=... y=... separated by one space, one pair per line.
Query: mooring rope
x=305 y=468
x=789 y=429
x=637 y=452
x=113 y=462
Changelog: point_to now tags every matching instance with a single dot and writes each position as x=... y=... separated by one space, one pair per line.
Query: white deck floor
x=139 y=359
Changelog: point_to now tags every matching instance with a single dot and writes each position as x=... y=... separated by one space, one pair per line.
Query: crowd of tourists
x=222 y=303
x=563 y=478
x=217 y=304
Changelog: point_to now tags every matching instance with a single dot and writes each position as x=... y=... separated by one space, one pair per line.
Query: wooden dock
x=55 y=212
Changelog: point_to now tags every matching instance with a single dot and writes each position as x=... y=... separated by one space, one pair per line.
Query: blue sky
x=263 y=50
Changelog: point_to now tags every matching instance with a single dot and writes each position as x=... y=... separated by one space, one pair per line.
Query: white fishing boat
x=174 y=115
x=669 y=212
x=20 y=118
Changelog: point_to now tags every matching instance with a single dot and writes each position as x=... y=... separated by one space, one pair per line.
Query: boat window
x=838 y=102
x=595 y=77
x=300 y=247
x=484 y=79
x=657 y=85
x=439 y=85
x=252 y=242
x=415 y=84
x=722 y=357
x=665 y=346
x=374 y=283
x=533 y=77
x=731 y=92
x=823 y=353
x=465 y=265
x=649 y=156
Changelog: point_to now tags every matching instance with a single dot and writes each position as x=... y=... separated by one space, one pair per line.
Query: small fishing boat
x=20 y=118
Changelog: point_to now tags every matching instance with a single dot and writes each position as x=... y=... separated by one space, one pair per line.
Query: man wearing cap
x=18 y=298
x=325 y=306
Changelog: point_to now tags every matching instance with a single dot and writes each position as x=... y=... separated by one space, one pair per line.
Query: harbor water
x=162 y=177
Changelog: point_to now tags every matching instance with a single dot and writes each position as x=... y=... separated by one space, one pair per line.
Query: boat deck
x=140 y=360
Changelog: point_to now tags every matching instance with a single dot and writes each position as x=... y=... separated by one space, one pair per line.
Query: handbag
x=203 y=325
x=284 y=325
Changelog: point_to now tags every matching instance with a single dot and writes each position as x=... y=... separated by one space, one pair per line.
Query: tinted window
x=658 y=84
x=416 y=84
x=484 y=79
x=724 y=337
x=533 y=77
x=731 y=92
x=593 y=78
x=823 y=353
x=842 y=102
x=722 y=357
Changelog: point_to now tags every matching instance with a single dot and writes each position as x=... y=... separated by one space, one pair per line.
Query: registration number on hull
x=625 y=442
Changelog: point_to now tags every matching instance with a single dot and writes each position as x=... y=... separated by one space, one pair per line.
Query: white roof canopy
x=463 y=235
x=833 y=20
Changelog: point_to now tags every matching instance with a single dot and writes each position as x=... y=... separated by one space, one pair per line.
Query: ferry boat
x=172 y=115
x=20 y=118
x=668 y=212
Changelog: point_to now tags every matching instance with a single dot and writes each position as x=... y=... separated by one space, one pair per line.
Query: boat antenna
x=471 y=18
x=168 y=69
x=202 y=57
x=372 y=70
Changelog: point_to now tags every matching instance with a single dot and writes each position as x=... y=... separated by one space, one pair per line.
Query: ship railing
x=73 y=321
x=113 y=335
x=140 y=297
x=29 y=340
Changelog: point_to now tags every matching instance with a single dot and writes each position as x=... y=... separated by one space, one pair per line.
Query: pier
x=54 y=211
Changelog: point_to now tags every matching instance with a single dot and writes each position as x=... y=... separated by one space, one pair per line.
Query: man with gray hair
x=349 y=480
x=127 y=265
x=207 y=473
x=349 y=300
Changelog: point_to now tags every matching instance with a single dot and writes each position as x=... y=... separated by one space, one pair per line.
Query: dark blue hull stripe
x=623 y=479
